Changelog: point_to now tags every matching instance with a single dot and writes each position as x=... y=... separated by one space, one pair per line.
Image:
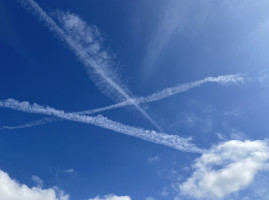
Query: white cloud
x=12 y=190
x=164 y=192
x=70 y=171
x=38 y=181
x=150 y=198
x=237 y=135
x=220 y=136
x=111 y=197
x=153 y=159
x=226 y=168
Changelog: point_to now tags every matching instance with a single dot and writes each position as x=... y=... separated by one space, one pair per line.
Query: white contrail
x=174 y=141
x=30 y=124
x=89 y=61
x=165 y=93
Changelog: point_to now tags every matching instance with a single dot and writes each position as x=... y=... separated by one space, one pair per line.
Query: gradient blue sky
x=153 y=45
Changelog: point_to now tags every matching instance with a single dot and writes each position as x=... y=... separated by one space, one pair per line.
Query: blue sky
x=182 y=87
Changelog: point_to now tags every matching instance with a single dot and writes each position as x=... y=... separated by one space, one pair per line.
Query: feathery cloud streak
x=77 y=35
x=174 y=141
x=165 y=93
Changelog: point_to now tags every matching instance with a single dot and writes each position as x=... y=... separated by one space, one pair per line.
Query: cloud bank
x=226 y=168
x=12 y=190
x=174 y=141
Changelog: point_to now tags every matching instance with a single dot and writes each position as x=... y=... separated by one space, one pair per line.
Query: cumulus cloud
x=12 y=190
x=226 y=168
x=111 y=197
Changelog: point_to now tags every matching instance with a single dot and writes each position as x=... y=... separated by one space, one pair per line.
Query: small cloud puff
x=70 y=171
x=153 y=159
x=111 y=197
x=38 y=181
x=149 y=198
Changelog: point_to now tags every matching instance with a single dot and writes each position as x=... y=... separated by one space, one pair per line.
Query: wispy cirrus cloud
x=84 y=41
x=174 y=141
x=157 y=96
x=174 y=18
x=171 y=21
x=226 y=168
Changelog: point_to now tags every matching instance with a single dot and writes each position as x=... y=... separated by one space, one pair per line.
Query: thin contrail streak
x=165 y=93
x=85 y=58
x=174 y=141
x=30 y=124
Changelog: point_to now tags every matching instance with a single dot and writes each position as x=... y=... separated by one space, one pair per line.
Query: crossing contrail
x=174 y=141
x=96 y=64
x=165 y=93
x=157 y=96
